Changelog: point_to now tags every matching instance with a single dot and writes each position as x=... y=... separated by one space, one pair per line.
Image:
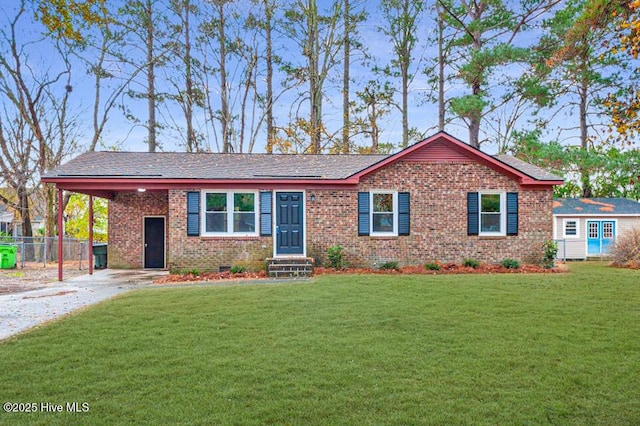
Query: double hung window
x=229 y=213
x=383 y=213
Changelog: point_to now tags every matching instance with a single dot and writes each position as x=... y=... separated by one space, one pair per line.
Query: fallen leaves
x=209 y=276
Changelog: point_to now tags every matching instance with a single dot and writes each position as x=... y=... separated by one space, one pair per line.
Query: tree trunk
x=474 y=132
x=346 y=124
x=585 y=178
x=151 y=90
x=51 y=222
x=270 y=127
x=192 y=143
x=224 y=102
x=476 y=91
x=405 y=106
x=441 y=103
x=25 y=218
x=375 y=132
x=315 y=95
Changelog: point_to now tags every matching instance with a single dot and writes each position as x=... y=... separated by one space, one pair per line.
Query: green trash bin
x=8 y=256
x=100 y=255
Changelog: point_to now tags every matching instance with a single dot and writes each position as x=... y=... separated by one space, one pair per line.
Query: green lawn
x=462 y=349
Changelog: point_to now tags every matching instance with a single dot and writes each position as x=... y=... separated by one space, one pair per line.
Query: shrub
x=392 y=264
x=194 y=272
x=510 y=263
x=335 y=257
x=470 y=263
x=238 y=269
x=626 y=249
x=550 y=253
x=432 y=266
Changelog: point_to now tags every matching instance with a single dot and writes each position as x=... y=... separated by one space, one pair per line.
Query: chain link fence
x=43 y=251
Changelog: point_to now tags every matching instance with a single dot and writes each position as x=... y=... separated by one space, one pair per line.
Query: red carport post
x=60 y=234
x=90 y=234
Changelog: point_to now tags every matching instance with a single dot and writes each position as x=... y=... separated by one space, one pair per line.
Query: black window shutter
x=512 y=213
x=266 y=222
x=193 y=214
x=363 y=213
x=404 y=207
x=473 y=213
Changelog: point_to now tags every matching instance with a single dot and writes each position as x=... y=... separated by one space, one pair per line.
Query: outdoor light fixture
x=313 y=198
x=141 y=189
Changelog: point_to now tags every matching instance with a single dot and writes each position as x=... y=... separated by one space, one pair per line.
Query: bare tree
x=346 y=121
x=402 y=19
x=318 y=39
x=101 y=55
x=267 y=28
x=187 y=94
x=36 y=128
x=145 y=44
x=376 y=102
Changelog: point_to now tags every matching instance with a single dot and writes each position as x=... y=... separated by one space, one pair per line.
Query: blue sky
x=124 y=135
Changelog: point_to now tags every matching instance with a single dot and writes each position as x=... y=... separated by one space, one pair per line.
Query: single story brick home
x=586 y=227
x=437 y=200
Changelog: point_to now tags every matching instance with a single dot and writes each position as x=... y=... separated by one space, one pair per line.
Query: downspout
x=90 y=234
x=60 y=234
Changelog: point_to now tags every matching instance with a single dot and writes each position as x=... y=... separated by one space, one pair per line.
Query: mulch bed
x=448 y=268
x=627 y=265
x=210 y=276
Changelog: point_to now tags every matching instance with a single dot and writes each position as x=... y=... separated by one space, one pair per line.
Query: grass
x=462 y=349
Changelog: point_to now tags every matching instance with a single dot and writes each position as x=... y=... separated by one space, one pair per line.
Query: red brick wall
x=438 y=223
x=126 y=218
x=209 y=253
x=438 y=217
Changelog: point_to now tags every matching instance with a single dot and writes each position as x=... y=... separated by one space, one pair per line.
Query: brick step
x=290 y=267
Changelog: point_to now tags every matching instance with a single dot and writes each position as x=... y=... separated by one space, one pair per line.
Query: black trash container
x=100 y=256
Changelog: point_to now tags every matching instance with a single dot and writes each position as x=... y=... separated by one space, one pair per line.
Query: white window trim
x=230 y=211
x=564 y=228
x=503 y=214
x=395 y=214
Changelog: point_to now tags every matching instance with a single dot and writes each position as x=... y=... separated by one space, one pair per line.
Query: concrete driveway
x=22 y=311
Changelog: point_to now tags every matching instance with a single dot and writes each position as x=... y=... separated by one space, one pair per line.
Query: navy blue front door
x=289 y=229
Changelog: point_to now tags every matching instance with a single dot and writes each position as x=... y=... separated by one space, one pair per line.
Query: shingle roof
x=526 y=168
x=595 y=206
x=213 y=166
x=174 y=165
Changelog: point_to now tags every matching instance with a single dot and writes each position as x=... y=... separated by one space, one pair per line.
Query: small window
x=244 y=214
x=492 y=217
x=384 y=213
x=230 y=213
x=570 y=228
x=593 y=230
x=216 y=212
x=607 y=230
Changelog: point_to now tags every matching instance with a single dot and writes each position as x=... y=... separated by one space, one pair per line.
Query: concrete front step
x=290 y=267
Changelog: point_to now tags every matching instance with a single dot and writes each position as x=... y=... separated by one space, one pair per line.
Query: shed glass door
x=600 y=235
